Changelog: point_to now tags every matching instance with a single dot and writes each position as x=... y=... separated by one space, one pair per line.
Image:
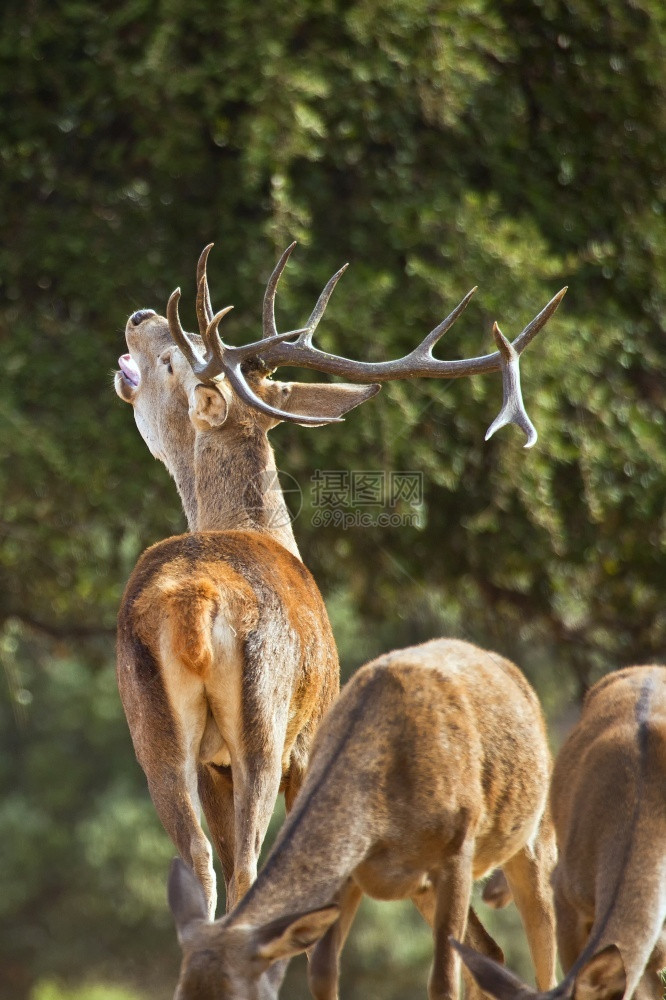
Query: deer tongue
x=130 y=369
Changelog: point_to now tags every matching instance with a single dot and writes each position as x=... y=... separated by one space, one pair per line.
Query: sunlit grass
x=50 y=990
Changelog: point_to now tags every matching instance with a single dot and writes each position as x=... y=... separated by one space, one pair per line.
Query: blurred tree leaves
x=517 y=146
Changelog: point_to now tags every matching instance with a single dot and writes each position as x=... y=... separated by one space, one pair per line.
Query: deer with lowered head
x=608 y=802
x=430 y=769
x=226 y=660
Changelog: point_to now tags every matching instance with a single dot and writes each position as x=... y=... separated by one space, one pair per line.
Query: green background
x=513 y=144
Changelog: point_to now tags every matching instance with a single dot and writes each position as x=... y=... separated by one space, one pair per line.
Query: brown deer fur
x=608 y=802
x=431 y=768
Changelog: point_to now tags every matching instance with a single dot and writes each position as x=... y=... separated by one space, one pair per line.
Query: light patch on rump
x=223 y=685
x=203 y=655
x=203 y=669
x=187 y=699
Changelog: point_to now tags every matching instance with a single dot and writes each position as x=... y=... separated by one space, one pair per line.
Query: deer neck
x=181 y=473
x=296 y=885
x=316 y=852
x=237 y=488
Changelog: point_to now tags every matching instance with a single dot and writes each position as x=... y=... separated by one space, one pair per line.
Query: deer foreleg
x=324 y=967
x=453 y=889
x=297 y=767
x=528 y=874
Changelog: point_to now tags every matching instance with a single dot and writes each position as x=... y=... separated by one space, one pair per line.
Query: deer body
x=609 y=808
x=608 y=802
x=226 y=660
x=431 y=768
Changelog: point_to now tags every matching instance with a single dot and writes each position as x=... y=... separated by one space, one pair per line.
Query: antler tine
x=268 y=314
x=204 y=307
x=513 y=409
x=255 y=349
x=215 y=347
x=305 y=339
x=213 y=364
x=178 y=335
x=539 y=321
x=424 y=349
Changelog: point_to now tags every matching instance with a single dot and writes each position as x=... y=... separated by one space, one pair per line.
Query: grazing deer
x=226 y=660
x=430 y=768
x=608 y=802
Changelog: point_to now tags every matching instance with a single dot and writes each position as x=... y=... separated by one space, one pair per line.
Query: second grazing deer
x=430 y=768
x=608 y=802
x=226 y=660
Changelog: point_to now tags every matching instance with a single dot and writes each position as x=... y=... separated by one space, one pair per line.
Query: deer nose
x=138 y=317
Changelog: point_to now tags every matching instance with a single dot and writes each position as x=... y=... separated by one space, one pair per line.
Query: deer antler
x=273 y=351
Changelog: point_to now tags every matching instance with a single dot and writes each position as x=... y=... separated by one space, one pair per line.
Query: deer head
x=239 y=962
x=601 y=977
x=161 y=377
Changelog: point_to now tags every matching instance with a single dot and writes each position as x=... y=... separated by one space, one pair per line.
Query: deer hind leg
x=297 y=766
x=496 y=892
x=166 y=732
x=453 y=889
x=216 y=791
x=256 y=778
x=175 y=796
x=528 y=873
x=324 y=967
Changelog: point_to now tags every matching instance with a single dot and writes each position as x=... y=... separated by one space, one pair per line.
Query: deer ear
x=494 y=979
x=317 y=398
x=208 y=407
x=186 y=898
x=602 y=978
x=291 y=935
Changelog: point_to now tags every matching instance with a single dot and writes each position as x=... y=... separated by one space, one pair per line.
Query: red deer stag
x=608 y=802
x=226 y=660
x=430 y=768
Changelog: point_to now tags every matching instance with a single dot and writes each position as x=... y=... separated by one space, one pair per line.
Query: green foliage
x=517 y=146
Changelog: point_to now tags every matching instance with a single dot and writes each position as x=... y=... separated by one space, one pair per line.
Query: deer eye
x=166 y=360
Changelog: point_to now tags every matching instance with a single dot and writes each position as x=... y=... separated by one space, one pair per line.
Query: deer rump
x=226 y=663
x=211 y=613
